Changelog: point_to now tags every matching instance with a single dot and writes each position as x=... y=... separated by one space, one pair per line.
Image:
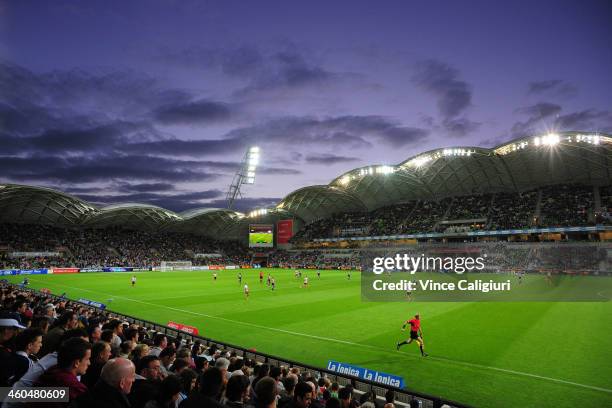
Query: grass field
x=484 y=354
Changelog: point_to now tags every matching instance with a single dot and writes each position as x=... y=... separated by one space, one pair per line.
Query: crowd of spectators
x=566 y=205
x=105 y=362
x=314 y=259
x=513 y=211
x=91 y=248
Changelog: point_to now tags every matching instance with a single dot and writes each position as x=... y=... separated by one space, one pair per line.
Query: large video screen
x=261 y=236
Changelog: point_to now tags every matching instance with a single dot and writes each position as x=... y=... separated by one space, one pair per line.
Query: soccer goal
x=175 y=265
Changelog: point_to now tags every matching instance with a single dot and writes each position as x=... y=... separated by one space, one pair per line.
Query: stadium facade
x=519 y=165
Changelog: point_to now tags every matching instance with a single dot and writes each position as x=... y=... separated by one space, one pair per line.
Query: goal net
x=175 y=265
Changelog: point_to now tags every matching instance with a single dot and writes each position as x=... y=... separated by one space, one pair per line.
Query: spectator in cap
x=8 y=330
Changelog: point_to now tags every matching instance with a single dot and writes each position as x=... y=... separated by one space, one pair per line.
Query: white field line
x=312 y=336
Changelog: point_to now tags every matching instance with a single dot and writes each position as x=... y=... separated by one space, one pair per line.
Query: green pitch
x=484 y=354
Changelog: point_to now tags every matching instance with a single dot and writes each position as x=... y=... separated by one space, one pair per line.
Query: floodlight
x=254 y=149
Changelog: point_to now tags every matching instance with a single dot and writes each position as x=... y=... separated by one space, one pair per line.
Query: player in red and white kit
x=415 y=334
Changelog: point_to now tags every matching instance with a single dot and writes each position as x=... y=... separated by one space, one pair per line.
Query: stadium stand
x=139 y=381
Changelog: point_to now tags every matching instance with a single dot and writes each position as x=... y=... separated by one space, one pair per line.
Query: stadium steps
x=596 y=199
x=538 y=209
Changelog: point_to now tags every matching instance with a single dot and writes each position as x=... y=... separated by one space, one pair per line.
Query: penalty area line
x=439 y=359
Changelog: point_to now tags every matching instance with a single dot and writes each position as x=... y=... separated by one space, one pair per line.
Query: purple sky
x=156 y=101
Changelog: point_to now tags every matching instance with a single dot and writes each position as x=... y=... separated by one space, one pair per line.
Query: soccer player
x=133 y=280
x=305 y=281
x=348 y=274
x=318 y=274
x=297 y=274
x=415 y=334
x=246 y=291
x=239 y=278
x=273 y=283
x=268 y=280
x=215 y=276
x=260 y=277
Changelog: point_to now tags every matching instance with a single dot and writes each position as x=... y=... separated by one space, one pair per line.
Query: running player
x=296 y=273
x=268 y=281
x=305 y=281
x=239 y=278
x=215 y=276
x=273 y=283
x=318 y=274
x=348 y=274
x=246 y=291
x=415 y=334
x=133 y=280
x=260 y=277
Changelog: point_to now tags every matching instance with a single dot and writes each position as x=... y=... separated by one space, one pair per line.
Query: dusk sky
x=156 y=101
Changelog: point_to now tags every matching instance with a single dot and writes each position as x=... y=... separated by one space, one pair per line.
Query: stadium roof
x=519 y=165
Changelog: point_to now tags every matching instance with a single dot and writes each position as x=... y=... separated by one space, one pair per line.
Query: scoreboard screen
x=261 y=236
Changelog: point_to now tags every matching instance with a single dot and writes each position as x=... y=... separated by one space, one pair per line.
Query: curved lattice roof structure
x=39 y=205
x=519 y=165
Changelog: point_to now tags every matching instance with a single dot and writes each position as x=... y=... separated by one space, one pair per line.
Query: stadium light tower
x=244 y=175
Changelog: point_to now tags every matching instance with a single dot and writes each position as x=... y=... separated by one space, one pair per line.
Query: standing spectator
x=115 y=384
x=72 y=361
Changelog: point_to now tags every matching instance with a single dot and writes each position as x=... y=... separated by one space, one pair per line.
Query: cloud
x=536 y=116
x=329 y=159
x=200 y=111
x=461 y=126
x=145 y=187
x=589 y=119
x=453 y=95
x=101 y=168
x=551 y=87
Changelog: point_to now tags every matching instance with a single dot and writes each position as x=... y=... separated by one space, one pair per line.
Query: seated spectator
x=266 y=392
x=178 y=366
x=209 y=393
x=111 y=390
x=95 y=333
x=302 y=396
x=169 y=390
x=126 y=349
x=27 y=344
x=146 y=385
x=188 y=379
x=237 y=391
x=68 y=320
x=223 y=364
x=345 y=396
x=72 y=361
x=139 y=352
x=160 y=342
x=8 y=330
x=100 y=354
x=167 y=357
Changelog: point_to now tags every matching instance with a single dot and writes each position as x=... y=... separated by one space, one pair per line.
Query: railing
x=402 y=396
